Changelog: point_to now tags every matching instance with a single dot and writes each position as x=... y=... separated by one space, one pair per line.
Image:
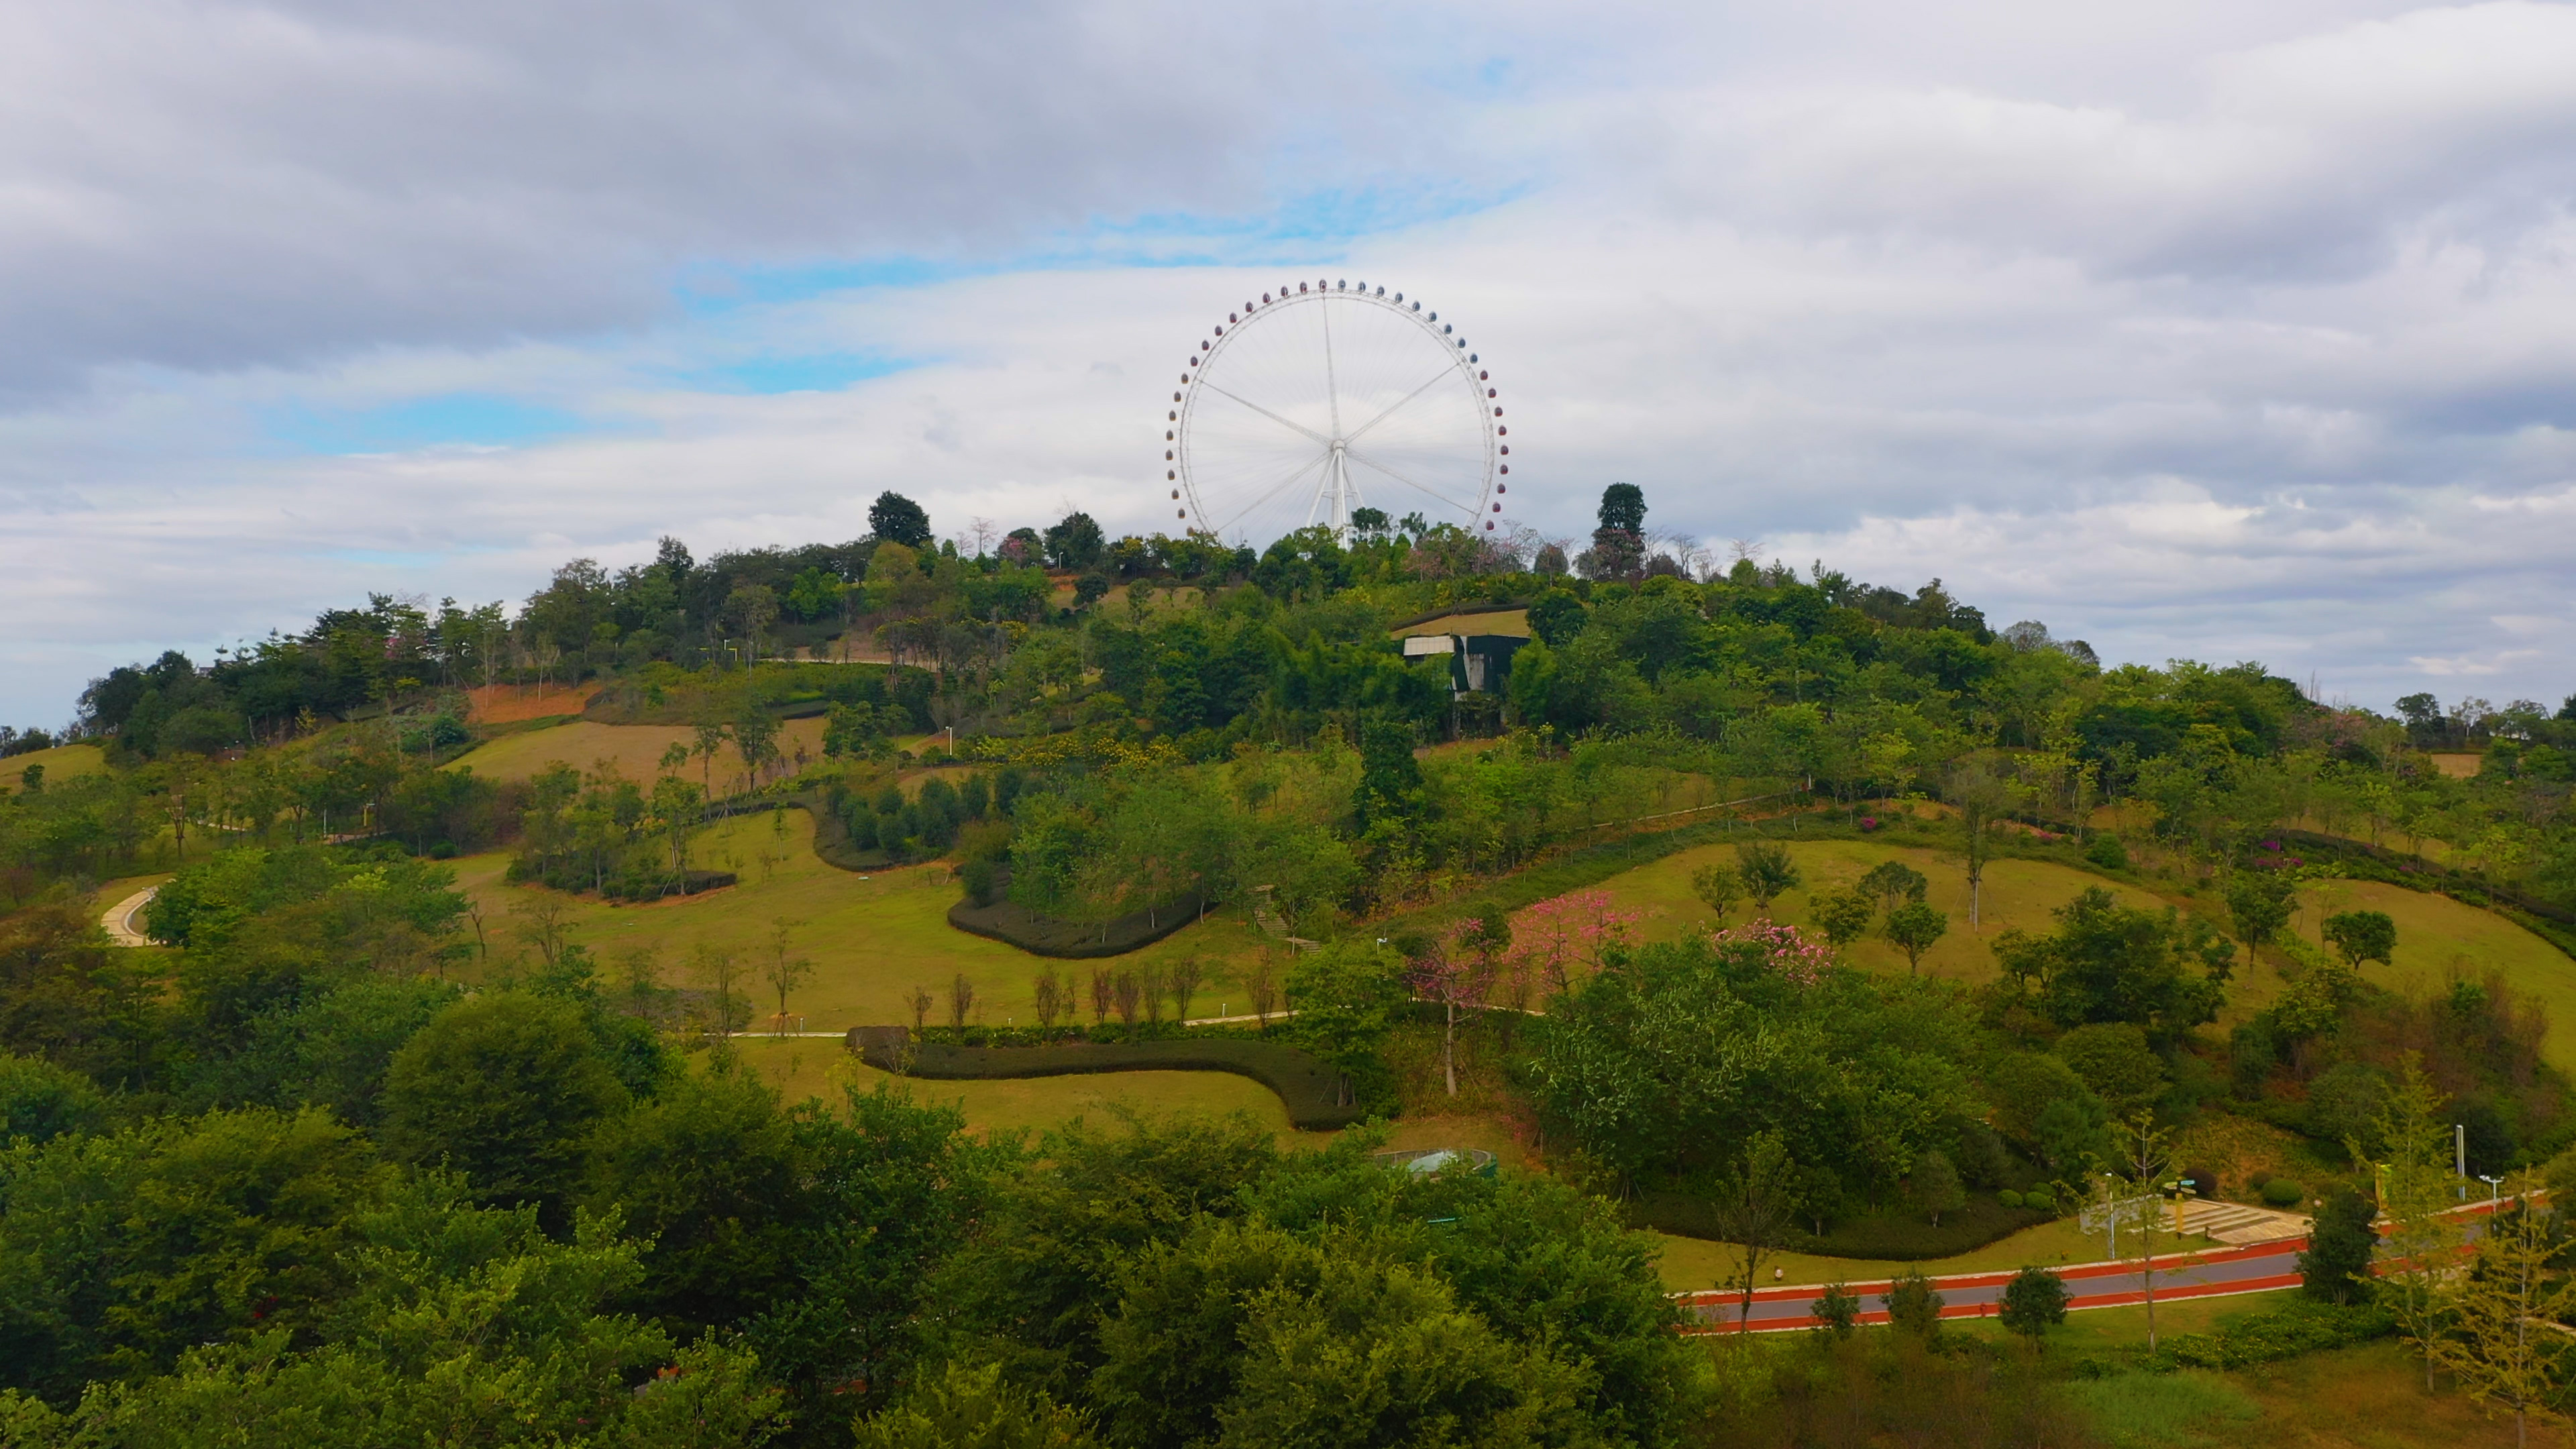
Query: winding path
x=119 y=920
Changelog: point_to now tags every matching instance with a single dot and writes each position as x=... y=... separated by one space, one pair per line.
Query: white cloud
x=2261 y=348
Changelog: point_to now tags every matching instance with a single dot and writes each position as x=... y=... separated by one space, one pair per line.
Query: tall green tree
x=505 y=1088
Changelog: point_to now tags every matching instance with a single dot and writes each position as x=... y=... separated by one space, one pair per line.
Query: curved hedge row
x=1308 y=1088
x=1017 y=925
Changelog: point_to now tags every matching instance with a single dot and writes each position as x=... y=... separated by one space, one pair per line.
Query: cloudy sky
x=2195 y=329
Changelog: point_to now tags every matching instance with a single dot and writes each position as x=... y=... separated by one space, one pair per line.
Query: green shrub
x=2296 y=1327
x=2107 y=852
x=2040 y=1200
x=2009 y=1198
x=2153 y=1408
x=2281 y=1192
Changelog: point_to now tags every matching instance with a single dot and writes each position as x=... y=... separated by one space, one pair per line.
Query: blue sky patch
x=827 y=372
x=1311 y=229
x=454 y=419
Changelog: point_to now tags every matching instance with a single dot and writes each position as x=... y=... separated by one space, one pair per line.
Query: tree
x=1893 y=883
x=2144 y=1157
x=1936 y=1186
x=751 y=608
x=755 y=737
x=1344 y=997
x=1766 y=870
x=2114 y=1060
x=1914 y=1305
x=2505 y=1340
x=1979 y=795
x=706 y=742
x=122 y=1250
x=785 y=972
x=1842 y=915
x=894 y=518
x=1457 y=969
x=2034 y=1302
x=961 y=1004
x=1390 y=785
x=1718 y=887
x=969 y=1407
x=504 y=1087
x=1838 y=1312
x=1623 y=506
x=2109 y=962
x=1913 y=928
x=2259 y=904
x=1755 y=1205
x=2336 y=1265
x=2359 y=936
x=2423 y=1237
x=727 y=1009
x=1076 y=543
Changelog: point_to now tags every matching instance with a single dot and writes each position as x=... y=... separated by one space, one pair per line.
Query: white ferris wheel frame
x=1337 y=492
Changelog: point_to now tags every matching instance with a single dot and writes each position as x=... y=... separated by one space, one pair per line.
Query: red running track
x=2257 y=1268
x=2209 y=1273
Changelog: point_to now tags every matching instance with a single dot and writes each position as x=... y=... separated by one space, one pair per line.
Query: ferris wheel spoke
x=1267 y=413
x=1282 y=486
x=1362 y=431
x=1366 y=461
x=1332 y=392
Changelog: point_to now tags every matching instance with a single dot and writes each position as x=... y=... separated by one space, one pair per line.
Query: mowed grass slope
x=2016 y=893
x=636 y=750
x=2437 y=936
x=811 y=1067
x=872 y=937
x=62 y=762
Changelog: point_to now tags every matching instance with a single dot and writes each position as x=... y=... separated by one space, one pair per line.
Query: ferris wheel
x=1310 y=404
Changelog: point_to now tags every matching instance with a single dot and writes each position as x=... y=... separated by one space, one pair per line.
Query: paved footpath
x=2210 y=1273
x=119 y=919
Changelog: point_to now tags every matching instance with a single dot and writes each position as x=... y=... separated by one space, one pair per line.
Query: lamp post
x=2495 y=1189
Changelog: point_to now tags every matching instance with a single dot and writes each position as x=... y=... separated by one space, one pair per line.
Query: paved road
x=119 y=920
x=2210 y=1273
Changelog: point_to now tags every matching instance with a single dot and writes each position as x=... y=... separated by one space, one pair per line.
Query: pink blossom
x=1558 y=934
x=1783 y=948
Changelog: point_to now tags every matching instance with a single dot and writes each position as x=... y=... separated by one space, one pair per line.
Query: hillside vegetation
x=1820 y=920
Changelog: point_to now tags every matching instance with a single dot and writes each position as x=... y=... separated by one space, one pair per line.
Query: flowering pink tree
x=1578 y=927
x=1781 y=948
x=1458 y=969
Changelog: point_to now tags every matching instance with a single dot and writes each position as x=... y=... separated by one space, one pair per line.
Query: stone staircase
x=2237 y=1223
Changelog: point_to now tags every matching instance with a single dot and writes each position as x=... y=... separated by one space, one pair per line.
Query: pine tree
x=2504 y=1341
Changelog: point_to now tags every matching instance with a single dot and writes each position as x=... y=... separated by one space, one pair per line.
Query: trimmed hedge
x=1905 y=1238
x=1017 y=925
x=1306 y=1086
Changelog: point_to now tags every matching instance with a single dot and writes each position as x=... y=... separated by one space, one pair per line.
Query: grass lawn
x=2017 y=893
x=2435 y=934
x=636 y=749
x=62 y=762
x=813 y=1067
x=2369 y=1397
x=872 y=937
x=1691 y=1264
